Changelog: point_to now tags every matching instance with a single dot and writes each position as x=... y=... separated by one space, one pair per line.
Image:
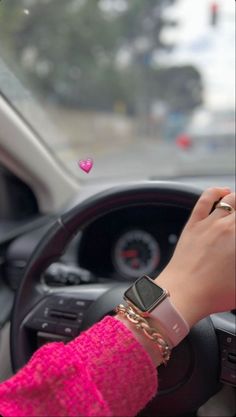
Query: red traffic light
x=214 y=13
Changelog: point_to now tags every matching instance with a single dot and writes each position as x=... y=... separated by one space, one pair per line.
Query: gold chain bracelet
x=142 y=324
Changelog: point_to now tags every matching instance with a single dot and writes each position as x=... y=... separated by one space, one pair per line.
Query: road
x=154 y=160
x=120 y=149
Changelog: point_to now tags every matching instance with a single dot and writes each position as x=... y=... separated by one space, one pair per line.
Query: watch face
x=144 y=294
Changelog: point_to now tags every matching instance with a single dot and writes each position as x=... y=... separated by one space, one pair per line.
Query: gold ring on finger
x=225 y=206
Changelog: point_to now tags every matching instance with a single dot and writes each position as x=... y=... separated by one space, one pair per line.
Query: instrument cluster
x=130 y=242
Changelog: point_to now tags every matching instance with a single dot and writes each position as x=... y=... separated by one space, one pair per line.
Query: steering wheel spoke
x=61 y=312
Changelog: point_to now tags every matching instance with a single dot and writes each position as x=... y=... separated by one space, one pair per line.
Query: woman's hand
x=201 y=274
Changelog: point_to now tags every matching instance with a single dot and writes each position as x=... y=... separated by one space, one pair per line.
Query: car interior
x=71 y=240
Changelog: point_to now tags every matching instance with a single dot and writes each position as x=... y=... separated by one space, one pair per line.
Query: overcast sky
x=211 y=49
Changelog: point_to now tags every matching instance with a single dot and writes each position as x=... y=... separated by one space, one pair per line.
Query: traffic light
x=214 y=14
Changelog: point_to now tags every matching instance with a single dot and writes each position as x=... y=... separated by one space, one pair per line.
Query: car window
x=132 y=88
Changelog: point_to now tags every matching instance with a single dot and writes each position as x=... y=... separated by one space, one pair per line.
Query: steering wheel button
x=43 y=325
x=79 y=304
x=63 y=315
x=57 y=301
x=43 y=312
x=228 y=375
x=227 y=339
x=232 y=357
x=67 y=330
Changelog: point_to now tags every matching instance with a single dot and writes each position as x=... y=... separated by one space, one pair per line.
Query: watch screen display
x=144 y=293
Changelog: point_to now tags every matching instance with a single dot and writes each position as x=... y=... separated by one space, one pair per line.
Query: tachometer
x=136 y=253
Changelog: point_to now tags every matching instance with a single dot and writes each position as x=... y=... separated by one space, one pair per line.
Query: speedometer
x=136 y=253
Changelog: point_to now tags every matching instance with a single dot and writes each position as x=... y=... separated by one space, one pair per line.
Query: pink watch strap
x=171 y=321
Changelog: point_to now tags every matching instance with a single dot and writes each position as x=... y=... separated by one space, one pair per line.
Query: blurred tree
x=95 y=53
x=180 y=87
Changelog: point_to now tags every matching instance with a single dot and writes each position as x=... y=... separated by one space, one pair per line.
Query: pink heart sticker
x=86 y=164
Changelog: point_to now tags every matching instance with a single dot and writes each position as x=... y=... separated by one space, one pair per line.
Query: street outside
x=119 y=148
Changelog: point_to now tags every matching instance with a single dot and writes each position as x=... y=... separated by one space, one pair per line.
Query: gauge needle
x=130 y=253
x=135 y=263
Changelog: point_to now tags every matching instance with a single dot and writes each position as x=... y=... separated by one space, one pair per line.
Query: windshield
x=141 y=89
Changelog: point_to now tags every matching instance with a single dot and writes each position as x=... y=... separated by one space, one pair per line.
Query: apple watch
x=150 y=300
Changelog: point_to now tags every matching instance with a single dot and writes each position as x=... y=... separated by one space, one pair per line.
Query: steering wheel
x=40 y=312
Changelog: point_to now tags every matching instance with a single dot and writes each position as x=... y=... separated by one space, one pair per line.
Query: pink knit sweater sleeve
x=103 y=372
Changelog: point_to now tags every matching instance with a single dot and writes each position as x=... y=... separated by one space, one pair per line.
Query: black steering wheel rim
x=52 y=247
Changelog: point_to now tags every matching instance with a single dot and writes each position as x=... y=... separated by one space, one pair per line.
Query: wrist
x=181 y=296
